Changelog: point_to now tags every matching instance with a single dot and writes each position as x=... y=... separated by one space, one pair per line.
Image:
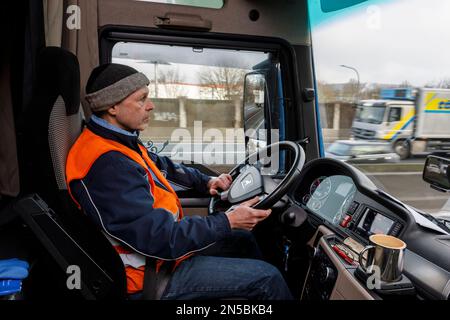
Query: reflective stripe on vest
x=83 y=154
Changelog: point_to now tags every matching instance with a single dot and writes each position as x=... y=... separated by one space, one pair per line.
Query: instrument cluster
x=329 y=197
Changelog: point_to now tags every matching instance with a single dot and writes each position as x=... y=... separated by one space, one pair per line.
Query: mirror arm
x=438 y=188
x=303 y=142
x=308 y=94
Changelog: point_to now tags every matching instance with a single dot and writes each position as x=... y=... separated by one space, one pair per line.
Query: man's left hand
x=222 y=182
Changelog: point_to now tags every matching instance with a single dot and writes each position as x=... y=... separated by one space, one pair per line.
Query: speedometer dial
x=342 y=212
x=320 y=188
x=347 y=202
x=315 y=184
x=315 y=205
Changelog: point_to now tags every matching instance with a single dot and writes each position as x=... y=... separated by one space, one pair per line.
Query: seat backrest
x=53 y=123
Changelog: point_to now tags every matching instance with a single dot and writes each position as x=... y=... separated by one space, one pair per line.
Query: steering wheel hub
x=248 y=180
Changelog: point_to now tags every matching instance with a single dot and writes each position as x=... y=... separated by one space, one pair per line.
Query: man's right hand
x=245 y=217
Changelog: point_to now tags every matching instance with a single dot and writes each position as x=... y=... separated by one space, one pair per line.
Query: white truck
x=413 y=121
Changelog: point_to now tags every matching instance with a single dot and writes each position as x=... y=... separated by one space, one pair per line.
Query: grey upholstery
x=62 y=132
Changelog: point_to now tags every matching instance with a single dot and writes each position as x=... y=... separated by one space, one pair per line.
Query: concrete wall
x=336 y=120
x=170 y=114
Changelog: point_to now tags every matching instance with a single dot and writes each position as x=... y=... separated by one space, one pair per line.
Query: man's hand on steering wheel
x=222 y=182
x=248 y=179
x=245 y=217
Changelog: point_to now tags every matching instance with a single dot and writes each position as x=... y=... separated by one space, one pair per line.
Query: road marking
x=407 y=173
x=387 y=164
x=407 y=199
x=441 y=213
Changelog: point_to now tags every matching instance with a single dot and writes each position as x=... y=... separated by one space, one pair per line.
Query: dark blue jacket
x=115 y=195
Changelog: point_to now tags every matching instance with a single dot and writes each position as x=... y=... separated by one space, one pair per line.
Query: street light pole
x=156 y=79
x=156 y=63
x=357 y=76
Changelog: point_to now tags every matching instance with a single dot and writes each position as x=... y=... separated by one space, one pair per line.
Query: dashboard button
x=346 y=221
x=352 y=208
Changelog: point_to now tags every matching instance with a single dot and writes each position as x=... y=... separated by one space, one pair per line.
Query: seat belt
x=155 y=282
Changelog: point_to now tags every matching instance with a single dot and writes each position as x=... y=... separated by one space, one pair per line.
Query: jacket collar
x=107 y=125
x=108 y=131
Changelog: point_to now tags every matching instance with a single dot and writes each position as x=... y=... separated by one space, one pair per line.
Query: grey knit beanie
x=110 y=83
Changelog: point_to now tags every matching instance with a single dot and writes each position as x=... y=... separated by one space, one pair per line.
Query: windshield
x=380 y=50
x=199 y=97
x=370 y=114
x=339 y=149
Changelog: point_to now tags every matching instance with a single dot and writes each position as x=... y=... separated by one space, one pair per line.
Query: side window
x=198 y=97
x=378 y=150
x=362 y=150
x=363 y=83
x=357 y=150
x=395 y=114
x=381 y=149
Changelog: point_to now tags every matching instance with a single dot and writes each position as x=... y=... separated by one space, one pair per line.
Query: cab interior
x=49 y=51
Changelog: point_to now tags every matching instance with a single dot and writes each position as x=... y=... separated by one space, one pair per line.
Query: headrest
x=58 y=74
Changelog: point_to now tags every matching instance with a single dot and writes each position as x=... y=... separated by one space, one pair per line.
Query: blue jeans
x=206 y=277
x=217 y=273
x=241 y=244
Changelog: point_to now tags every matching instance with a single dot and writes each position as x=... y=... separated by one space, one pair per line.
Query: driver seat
x=53 y=123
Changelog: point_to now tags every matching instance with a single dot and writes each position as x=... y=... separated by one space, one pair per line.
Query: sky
x=388 y=43
x=190 y=62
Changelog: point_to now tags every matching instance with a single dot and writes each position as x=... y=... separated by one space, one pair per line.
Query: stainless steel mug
x=386 y=253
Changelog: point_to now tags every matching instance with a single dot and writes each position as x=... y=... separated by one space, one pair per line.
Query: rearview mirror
x=437 y=173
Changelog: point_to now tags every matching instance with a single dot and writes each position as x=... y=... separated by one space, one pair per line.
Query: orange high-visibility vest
x=86 y=150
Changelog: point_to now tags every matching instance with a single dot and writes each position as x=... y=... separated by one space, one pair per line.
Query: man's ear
x=112 y=111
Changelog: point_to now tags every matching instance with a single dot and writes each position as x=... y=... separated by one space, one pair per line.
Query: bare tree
x=405 y=84
x=173 y=83
x=351 y=90
x=151 y=89
x=371 y=92
x=326 y=92
x=222 y=83
x=444 y=83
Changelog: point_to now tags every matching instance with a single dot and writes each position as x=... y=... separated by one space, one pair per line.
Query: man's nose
x=149 y=105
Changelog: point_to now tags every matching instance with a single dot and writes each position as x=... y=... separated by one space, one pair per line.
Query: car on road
x=360 y=151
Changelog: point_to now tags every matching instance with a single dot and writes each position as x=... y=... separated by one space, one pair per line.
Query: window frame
x=284 y=52
x=185 y=4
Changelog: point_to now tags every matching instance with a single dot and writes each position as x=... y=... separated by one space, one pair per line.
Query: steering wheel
x=249 y=181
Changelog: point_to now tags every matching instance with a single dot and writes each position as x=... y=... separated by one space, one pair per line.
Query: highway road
x=409 y=187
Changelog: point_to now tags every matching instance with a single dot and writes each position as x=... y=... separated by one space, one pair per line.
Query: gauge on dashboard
x=315 y=204
x=347 y=202
x=337 y=217
x=342 y=212
x=320 y=188
x=306 y=198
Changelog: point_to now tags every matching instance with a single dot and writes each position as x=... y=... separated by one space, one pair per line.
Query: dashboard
x=341 y=198
x=335 y=200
